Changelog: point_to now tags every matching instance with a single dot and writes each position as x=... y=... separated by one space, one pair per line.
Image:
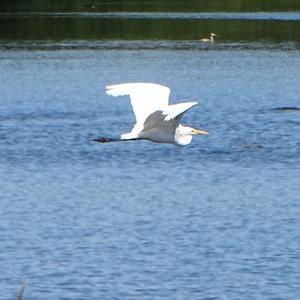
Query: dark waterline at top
x=277 y=16
x=248 y=25
x=154 y=6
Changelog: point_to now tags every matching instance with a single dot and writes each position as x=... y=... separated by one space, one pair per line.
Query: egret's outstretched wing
x=146 y=98
x=177 y=110
x=161 y=126
x=168 y=120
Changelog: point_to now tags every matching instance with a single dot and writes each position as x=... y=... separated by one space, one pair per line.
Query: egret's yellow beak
x=198 y=131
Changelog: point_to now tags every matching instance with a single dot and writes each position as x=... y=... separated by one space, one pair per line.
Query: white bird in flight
x=156 y=120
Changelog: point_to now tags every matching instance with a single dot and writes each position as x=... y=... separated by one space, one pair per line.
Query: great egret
x=156 y=120
x=210 y=39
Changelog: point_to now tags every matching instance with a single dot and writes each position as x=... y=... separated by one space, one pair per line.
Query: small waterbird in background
x=211 y=38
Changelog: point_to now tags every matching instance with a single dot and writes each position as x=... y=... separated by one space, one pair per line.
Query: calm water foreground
x=218 y=219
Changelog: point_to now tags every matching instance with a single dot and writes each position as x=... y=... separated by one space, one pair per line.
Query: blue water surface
x=218 y=219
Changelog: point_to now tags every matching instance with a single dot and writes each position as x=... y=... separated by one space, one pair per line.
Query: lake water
x=217 y=219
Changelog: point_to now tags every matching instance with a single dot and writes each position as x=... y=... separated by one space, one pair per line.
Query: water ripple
x=278 y=16
x=144 y=45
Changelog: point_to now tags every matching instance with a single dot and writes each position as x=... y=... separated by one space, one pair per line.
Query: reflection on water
x=145 y=45
x=106 y=22
x=94 y=28
x=287 y=16
x=154 y=5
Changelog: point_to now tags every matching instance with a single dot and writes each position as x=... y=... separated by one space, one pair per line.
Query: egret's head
x=184 y=134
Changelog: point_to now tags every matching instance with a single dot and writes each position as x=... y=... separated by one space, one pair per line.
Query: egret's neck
x=183 y=135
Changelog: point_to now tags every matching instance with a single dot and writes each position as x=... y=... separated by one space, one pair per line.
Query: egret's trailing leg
x=111 y=140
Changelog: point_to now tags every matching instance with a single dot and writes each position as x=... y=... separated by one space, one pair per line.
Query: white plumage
x=156 y=120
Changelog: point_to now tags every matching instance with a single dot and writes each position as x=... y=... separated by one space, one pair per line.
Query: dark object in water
x=251 y=146
x=109 y=140
x=286 y=109
x=103 y=140
x=21 y=293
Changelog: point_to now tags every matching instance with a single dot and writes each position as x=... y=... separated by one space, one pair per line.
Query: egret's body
x=156 y=120
x=210 y=39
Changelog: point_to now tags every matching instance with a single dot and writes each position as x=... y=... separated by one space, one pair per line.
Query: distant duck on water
x=210 y=39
